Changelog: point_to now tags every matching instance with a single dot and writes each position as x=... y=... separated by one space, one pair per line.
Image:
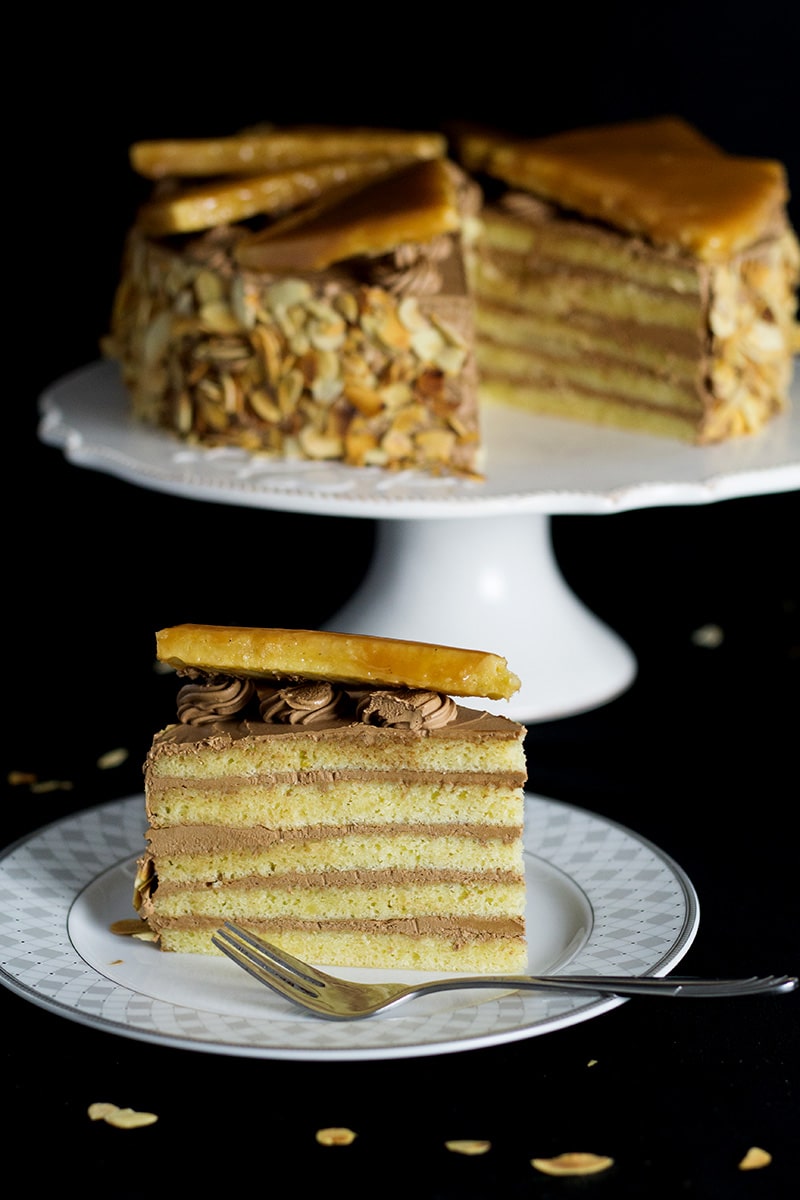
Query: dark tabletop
x=699 y=755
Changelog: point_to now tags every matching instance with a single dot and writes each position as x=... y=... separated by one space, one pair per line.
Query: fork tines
x=267 y=963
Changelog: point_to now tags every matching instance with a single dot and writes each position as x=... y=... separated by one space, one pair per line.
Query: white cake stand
x=457 y=562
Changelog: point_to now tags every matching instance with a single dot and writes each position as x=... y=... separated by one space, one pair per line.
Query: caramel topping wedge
x=478 y=143
x=414 y=204
x=191 y=210
x=256 y=151
x=660 y=179
x=348 y=658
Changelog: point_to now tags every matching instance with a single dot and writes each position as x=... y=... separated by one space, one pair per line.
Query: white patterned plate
x=600 y=900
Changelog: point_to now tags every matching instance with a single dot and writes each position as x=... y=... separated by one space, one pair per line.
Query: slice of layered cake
x=301 y=293
x=634 y=275
x=326 y=791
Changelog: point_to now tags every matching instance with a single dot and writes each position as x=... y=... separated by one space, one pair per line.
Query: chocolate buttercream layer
x=202 y=839
x=333 y=782
x=342 y=880
x=463 y=930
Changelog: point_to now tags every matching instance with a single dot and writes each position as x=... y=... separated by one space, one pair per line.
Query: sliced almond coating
x=335 y=1135
x=415 y=204
x=254 y=152
x=468 y=1146
x=573 y=1164
x=755 y=1159
x=230 y=200
x=659 y=179
x=336 y=657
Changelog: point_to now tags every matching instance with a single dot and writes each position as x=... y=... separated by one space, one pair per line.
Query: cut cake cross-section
x=326 y=791
x=634 y=275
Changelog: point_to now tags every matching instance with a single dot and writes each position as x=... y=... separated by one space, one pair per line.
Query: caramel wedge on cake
x=302 y=294
x=326 y=791
x=635 y=275
x=412 y=204
x=192 y=209
x=254 y=151
x=339 y=657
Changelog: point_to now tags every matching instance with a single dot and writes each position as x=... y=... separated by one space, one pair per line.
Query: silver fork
x=343 y=1000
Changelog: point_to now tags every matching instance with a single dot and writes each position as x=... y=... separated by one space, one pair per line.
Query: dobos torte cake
x=634 y=275
x=326 y=791
x=301 y=293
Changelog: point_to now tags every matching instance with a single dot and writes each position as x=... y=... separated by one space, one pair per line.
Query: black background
x=699 y=755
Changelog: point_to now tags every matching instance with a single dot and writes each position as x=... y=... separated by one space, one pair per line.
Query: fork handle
x=627 y=985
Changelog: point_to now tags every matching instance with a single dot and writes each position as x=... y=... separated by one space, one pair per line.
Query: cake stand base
x=492 y=583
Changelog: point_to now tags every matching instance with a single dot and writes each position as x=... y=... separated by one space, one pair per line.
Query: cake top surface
x=350 y=658
x=318 y=195
x=658 y=178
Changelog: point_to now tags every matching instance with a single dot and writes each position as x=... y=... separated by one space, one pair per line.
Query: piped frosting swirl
x=205 y=701
x=404 y=708
x=302 y=703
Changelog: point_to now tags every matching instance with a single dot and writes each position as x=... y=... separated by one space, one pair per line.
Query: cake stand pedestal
x=505 y=594
x=460 y=562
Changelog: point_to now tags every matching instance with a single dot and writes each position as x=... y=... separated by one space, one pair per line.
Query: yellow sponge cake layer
x=251 y=801
x=473 y=947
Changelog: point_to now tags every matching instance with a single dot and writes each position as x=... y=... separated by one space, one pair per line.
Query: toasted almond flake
x=577 y=1163
x=112 y=758
x=128 y=926
x=129 y=1118
x=51 y=785
x=335 y=1135
x=708 y=636
x=101 y=1109
x=755 y=1159
x=592 y=1062
x=18 y=778
x=468 y=1146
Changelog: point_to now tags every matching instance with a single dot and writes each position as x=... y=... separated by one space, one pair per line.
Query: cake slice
x=326 y=791
x=301 y=294
x=634 y=275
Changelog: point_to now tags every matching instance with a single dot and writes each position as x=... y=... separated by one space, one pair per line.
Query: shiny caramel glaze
x=337 y=657
x=413 y=204
x=660 y=179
